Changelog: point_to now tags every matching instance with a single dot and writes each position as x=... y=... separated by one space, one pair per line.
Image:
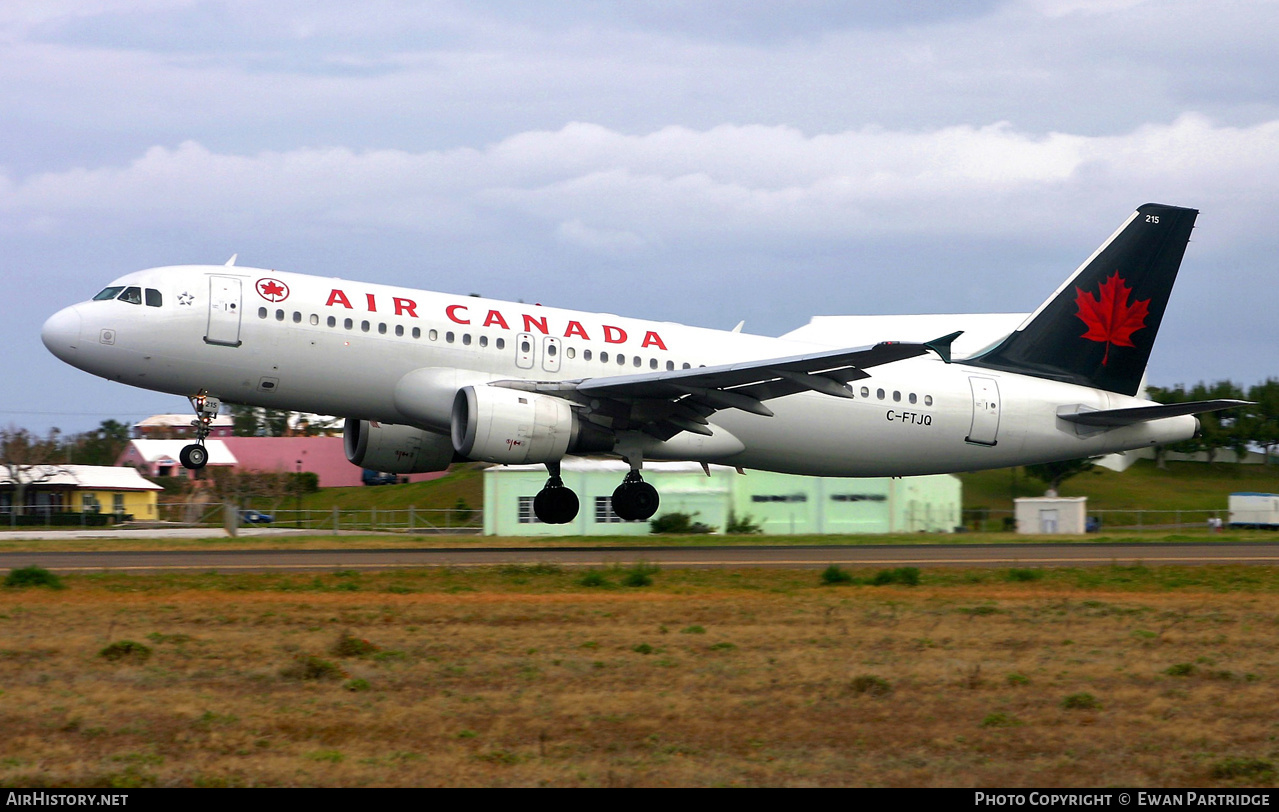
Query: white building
x=778 y=503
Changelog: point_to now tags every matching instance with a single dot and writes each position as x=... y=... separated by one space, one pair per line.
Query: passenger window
x=417 y=332
x=108 y=293
x=364 y=326
x=586 y=355
x=132 y=296
x=433 y=335
x=262 y=312
x=484 y=341
x=550 y=349
x=501 y=343
x=879 y=393
x=686 y=366
x=315 y=320
x=928 y=400
x=449 y=337
x=652 y=363
x=913 y=399
x=897 y=397
x=153 y=298
x=332 y=322
x=525 y=346
x=670 y=366
x=637 y=361
x=381 y=328
x=297 y=317
x=466 y=339
x=348 y=323
x=279 y=315
x=865 y=392
x=621 y=360
x=570 y=352
x=603 y=357
x=399 y=329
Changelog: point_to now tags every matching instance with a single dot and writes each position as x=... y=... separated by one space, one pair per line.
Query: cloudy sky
x=703 y=162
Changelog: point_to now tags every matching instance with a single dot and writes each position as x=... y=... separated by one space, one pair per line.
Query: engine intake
x=395 y=449
x=513 y=427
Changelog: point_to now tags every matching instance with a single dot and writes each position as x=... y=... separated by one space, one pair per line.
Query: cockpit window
x=108 y=293
x=132 y=295
x=153 y=298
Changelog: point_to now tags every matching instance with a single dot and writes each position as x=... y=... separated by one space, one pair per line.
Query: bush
x=907 y=576
x=871 y=684
x=640 y=575
x=1180 y=670
x=307 y=667
x=1025 y=575
x=32 y=576
x=126 y=650
x=834 y=575
x=1084 y=701
x=593 y=578
x=349 y=645
x=678 y=524
x=744 y=527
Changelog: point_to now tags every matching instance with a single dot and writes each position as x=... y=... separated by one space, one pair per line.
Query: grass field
x=525 y=676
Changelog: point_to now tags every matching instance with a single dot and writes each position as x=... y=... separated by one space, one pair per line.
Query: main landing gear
x=634 y=500
x=195 y=455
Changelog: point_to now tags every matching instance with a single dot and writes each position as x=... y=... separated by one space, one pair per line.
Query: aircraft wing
x=666 y=402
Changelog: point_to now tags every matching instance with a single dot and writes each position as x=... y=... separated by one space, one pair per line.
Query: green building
x=781 y=504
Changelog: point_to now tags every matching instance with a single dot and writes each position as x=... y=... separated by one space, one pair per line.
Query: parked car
x=255 y=517
x=371 y=477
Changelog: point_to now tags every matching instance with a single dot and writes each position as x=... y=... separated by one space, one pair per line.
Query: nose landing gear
x=195 y=456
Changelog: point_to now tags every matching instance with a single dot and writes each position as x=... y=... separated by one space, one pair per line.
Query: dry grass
x=523 y=676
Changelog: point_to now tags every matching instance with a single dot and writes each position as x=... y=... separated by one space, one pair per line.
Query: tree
x=1053 y=474
x=101 y=446
x=27 y=460
x=1262 y=420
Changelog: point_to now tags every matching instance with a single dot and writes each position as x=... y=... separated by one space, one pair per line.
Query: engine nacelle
x=513 y=427
x=395 y=449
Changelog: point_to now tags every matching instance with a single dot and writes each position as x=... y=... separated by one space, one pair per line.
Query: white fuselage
x=332 y=346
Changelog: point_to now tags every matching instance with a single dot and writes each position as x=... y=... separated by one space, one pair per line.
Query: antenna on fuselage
x=231 y=261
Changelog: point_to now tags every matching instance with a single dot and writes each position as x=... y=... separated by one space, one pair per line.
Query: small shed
x=1052 y=515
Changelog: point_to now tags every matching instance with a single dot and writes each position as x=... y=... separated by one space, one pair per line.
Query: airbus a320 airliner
x=425 y=379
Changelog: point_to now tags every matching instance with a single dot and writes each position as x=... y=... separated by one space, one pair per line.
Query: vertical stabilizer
x=1098 y=328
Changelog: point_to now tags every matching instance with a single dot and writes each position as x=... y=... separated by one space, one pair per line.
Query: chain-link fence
x=985 y=520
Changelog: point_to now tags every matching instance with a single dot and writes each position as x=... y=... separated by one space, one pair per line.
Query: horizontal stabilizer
x=1112 y=418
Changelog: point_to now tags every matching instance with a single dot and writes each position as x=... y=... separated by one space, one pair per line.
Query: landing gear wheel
x=193 y=457
x=635 y=500
x=555 y=504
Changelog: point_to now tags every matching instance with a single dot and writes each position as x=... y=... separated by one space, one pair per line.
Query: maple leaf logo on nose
x=1110 y=318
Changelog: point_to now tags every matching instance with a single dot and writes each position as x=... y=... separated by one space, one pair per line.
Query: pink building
x=323 y=456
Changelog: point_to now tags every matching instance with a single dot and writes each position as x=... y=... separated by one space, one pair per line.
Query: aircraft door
x=224 y=311
x=985 y=426
x=551 y=354
x=524 y=350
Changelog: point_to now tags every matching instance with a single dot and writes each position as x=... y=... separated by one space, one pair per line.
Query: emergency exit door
x=224 y=311
x=985 y=426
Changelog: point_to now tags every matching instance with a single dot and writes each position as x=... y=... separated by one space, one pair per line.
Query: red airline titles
x=460 y=314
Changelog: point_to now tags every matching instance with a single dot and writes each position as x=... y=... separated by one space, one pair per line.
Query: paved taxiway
x=922 y=555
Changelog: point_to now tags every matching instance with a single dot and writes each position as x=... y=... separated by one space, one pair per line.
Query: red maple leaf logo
x=272 y=290
x=1110 y=318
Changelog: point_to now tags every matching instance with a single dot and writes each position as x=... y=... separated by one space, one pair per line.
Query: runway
x=808 y=557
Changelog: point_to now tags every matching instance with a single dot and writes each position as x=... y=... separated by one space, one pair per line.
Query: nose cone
x=61 y=333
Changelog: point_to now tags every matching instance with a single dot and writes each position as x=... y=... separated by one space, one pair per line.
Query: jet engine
x=395 y=449
x=513 y=427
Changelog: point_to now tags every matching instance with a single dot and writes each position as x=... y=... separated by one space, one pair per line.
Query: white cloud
x=594 y=187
